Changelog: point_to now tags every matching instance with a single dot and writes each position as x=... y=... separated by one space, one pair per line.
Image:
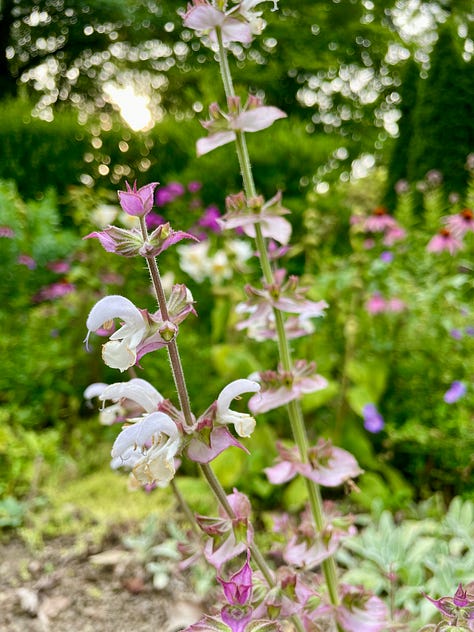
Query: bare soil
x=64 y=588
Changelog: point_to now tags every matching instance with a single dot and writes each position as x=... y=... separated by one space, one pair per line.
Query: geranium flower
x=223 y=126
x=455 y=392
x=373 y=420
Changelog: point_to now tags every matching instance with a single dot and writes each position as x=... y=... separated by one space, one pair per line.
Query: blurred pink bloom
x=222 y=127
x=393 y=234
x=202 y=16
x=26 y=260
x=60 y=267
x=445 y=240
x=194 y=187
x=376 y=304
x=6 y=231
x=379 y=221
x=461 y=223
x=280 y=387
x=54 y=291
x=307 y=555
x=361 y=611
x=153 y=220
x=137 y=202
x=244 y=214
x=327 y=465
x=396 y=305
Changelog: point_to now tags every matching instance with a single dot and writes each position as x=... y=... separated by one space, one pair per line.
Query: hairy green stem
x=294 y=410
x=208 y=473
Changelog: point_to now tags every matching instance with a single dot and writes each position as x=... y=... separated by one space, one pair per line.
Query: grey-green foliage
x=403 y=560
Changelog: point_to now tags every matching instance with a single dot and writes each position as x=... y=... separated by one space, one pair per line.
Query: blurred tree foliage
x=443 y=119
x=332 y=65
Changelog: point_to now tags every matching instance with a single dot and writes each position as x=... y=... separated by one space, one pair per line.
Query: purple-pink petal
x=220 y=440
x=281 y=472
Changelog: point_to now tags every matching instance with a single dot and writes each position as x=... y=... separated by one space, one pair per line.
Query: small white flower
x=194 y=260
x=244 y=423
x=136 y=389
x=121 y=350
x=219 y=267
x=104 y=215
x=148 y=447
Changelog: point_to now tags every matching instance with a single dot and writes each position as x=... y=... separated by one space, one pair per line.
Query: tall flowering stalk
x=236 y=124
x=155 y=433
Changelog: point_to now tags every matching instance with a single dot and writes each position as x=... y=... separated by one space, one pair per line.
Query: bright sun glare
x=132 y=106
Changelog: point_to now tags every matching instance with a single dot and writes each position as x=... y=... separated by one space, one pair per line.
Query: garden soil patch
x=102 y=589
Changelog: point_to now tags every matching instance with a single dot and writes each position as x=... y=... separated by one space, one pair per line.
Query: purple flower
x=194 y=187
x=456 y=334
x=153 y=220
x=470 y=331
x=209 y=219
x=454 y=392
x=373 y=420
x=458 y=608
x=386 y=256
x=137 y=202
x=165 y=195
x=55 y=290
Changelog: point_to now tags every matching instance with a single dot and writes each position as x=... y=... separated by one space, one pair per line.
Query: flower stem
x=294 y=410
x=213 y=482
x=172 y=346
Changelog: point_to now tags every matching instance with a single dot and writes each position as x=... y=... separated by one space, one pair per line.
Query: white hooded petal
x=146 y=431
x=94 y=390
x=136 y=389
x=110 y=307
x=118 y=355
x=243 y=423
x=233 y=390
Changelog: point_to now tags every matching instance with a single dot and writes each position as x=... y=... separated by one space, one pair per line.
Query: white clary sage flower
x=243 y=423
x=148 y=447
